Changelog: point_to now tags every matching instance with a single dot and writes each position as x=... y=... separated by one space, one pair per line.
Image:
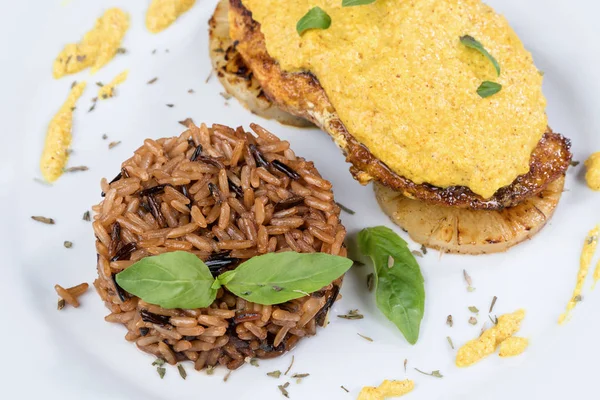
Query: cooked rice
x=71 y=295
x=225 y=195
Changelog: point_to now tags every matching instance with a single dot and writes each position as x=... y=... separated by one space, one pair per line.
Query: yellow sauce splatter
x=108 y=90
x=162 y=13
x=386 y=389
x=513 y=346
x=477 y=349
x=404 y=85
x=592 y=175
x=98 y=46
x=58 y=138
x=589 y=248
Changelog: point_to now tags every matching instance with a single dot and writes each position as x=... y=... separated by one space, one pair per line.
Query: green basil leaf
x=400 y=290
x=275 y=278
x=171 y=280
x=315 y=18
x=473 y=43
x=350 y=3
x=488 y=88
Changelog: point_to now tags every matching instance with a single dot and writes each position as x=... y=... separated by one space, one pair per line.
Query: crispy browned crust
x=301 y=94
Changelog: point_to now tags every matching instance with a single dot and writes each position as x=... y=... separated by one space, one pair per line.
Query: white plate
x=75 y=354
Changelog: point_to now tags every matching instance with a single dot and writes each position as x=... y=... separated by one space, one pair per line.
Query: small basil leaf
x=315 y=18
x=171 y=280
x=472 y=43
x=350 y=3
x=275 y=278
x=488 y=88
x=400 y=291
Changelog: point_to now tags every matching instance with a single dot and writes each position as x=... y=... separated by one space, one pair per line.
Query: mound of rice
x=225 y=195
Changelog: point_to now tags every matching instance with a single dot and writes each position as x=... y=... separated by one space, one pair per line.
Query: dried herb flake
x=473 y=320
x=161 y=372
x=283 y=390
x=113 y=144
x=274 y=374
x=60 y=304
x=473 y=309
x=43 y=220
x=450 y=342
x=575 y=163
x=151 y=81
x=68 y=244
x=76 y=169
x=290 y=367
x=449 y=321
x=187 y=122
x=493 y=303
x=182 y=372
x=365 y=337
x=352 y=314
x=370 y=282
x=345 y=209
x=469 y=281
x=86 y=216
x=158 y=362
x=347 y=391
x=170 y=105
x=435 y=374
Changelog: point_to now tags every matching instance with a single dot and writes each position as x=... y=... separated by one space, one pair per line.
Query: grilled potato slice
x=457 y=230
x=236 y=77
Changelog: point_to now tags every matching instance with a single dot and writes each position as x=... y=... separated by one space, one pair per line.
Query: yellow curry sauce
x=404 y=85
x=58 y=138
x=477 y=349
x=107 y=91
x=162 y=13
x=587 y=252
x=386 y=389
x=98 y=46
x=513 y=346
x=592 y=174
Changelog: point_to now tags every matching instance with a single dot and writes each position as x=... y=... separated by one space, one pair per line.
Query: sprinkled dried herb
x=76 y=169
x=121 y=50
x=99 y=84
x=68 y=244
x=370 y=282
x=405 y=364
x=151 y=81
x=449 y=321
x=575 y=163
x=290 y=367
x=161 y=372
x=493 y=303
x=154 y=51
x=345 y=209
x=494 y=320
x=113 y=144
x=170 y=105
x=274 y=374
x=61 y=304
x=43 y=220
x=469 y=281
x=450 y=342
x=364 y=337
x=182 y=372
x=423 y=249
x=210 y=369
x=226 y=377
x=577 y=298
x=92 y=107
x=417 y=253
x=300 y=376
x=357 y=263
x=73 y=84
x=347 y=391
x=191 y=91
x=225 y=95
x=252 y=361
x=158 y=362
x=86 y=216
x=473 y=309
x=81 y=58
x=283 y=390
x=209 y=76
x=473 y=320
x=352 y=314
x=43 y=182
x=435 y=374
